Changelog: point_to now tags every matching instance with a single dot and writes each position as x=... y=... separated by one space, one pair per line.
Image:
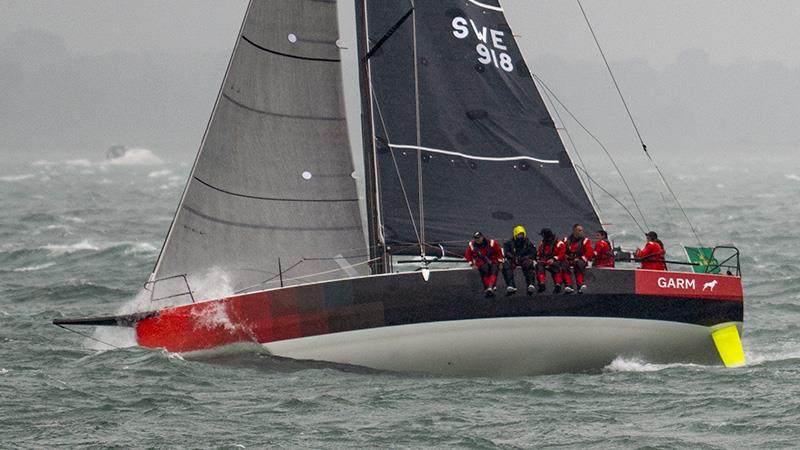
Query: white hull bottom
x=508 y=346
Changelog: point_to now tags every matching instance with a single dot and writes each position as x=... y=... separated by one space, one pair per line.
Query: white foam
x=140 y=247
x=620 y=364
x=71 y=248
x=214 y=284
x=13 y=178
x=35 y=267
x=43 y=163
x=78 y=163
x=4 y=371
x=109 y=338
x=754 y=359
x=136 y=157
x=792 y=177
x=159 y=173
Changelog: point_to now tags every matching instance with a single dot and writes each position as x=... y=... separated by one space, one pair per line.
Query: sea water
x=79 y=237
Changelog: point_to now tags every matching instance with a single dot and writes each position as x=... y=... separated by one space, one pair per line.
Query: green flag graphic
x=702 y=257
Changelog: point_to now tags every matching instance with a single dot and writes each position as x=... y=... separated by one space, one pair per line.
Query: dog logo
x=710 y=285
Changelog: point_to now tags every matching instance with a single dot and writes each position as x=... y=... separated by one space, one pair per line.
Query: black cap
x=651 y=235
x=477 y=234
x=546 y=233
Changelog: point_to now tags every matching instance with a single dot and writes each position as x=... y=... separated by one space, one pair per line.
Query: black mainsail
x=463 y=140
x=274 y=175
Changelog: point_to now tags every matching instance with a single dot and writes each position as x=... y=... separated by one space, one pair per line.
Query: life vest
x=480 y=254
x=652 y=256
x=577 y=249
x=603 y=255
x=527 y=249
x=553 y=250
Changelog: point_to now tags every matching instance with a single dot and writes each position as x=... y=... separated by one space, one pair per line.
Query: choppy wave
x=620 y=364
x=35 y=267
x=84 y=245
x=136 y=157
x=13 y=178
x=159 y=173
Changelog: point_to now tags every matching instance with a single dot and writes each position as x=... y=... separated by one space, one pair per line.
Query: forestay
x=274 y=176
x=464 y=141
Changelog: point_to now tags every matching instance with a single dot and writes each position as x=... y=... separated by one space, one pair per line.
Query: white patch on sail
x=477 y=158
x=483 y=5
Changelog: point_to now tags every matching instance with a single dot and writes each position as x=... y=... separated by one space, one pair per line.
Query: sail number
x=490 y=48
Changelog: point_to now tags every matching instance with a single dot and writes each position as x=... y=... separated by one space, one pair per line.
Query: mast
x=377 y=250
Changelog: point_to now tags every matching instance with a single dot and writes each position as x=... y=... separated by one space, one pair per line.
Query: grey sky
x=654 y=29
x=80 y=75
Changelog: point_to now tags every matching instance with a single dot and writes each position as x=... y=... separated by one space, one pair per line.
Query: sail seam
x=288 y=55
x=478 y=158
x=274 y=114
x=484 y=5
x=266 y=227
x=255 y=197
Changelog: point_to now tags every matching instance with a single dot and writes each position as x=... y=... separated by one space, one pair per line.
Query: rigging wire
x=612 y=196
x=635 y=127
x=602 y=146
x=572 y=144
x=420 y=191
x=397 y=170
x=88 y=337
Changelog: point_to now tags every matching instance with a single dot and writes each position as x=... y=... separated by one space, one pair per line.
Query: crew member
x=519 y=252
x=485 y=255
x=652 y=255
x=579 y=253
x=550 y=253
x=603 y=254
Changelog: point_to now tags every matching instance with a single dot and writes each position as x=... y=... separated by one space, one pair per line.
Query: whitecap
x=71 y=248
x=792 y=177
x=140 y=247
x=136 y=157
x=620 y=364
x=159 y=173
x=13 y=178
x=42 y=163
x=4 y=371
x=78 y=163
x=35 y=267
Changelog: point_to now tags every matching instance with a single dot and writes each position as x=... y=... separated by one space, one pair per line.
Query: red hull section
x=685 y=284
x=259 y=317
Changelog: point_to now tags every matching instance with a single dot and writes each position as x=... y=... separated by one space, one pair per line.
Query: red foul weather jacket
x=579 y=248
x=652 y=256
x=479 y=255
x=603 y=255
x=556 y=250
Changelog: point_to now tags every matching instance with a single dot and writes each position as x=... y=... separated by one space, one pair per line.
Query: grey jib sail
x=466 y=125
x=274 y=175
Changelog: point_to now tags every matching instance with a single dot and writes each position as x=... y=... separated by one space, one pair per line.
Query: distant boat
x=116 y=151
x=456 y=138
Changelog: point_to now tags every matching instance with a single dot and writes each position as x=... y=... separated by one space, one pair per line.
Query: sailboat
x=456 y=138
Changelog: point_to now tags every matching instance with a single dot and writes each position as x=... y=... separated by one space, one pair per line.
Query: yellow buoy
x=729 y=346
